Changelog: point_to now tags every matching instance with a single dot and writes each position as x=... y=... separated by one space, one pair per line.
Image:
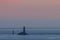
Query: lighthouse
x=24 y=32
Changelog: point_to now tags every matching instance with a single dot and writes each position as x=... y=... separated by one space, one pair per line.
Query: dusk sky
x=32 y=13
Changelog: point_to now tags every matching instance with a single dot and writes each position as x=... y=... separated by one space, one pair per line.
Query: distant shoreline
x=33 y=28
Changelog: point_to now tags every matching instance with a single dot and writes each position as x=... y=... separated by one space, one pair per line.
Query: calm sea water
x=34 y=34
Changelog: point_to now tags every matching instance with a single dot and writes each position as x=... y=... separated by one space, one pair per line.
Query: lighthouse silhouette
x=24 y=32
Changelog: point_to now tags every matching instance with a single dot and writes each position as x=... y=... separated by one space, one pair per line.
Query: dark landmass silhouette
x=24 y=32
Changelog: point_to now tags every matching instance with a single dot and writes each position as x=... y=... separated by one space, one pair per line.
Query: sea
x=34 y=34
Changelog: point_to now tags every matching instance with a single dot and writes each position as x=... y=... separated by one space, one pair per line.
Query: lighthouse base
x=22 y=33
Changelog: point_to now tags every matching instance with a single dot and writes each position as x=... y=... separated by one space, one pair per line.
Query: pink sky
x=30 y=9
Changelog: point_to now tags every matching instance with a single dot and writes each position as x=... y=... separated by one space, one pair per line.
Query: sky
x=31 y=13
